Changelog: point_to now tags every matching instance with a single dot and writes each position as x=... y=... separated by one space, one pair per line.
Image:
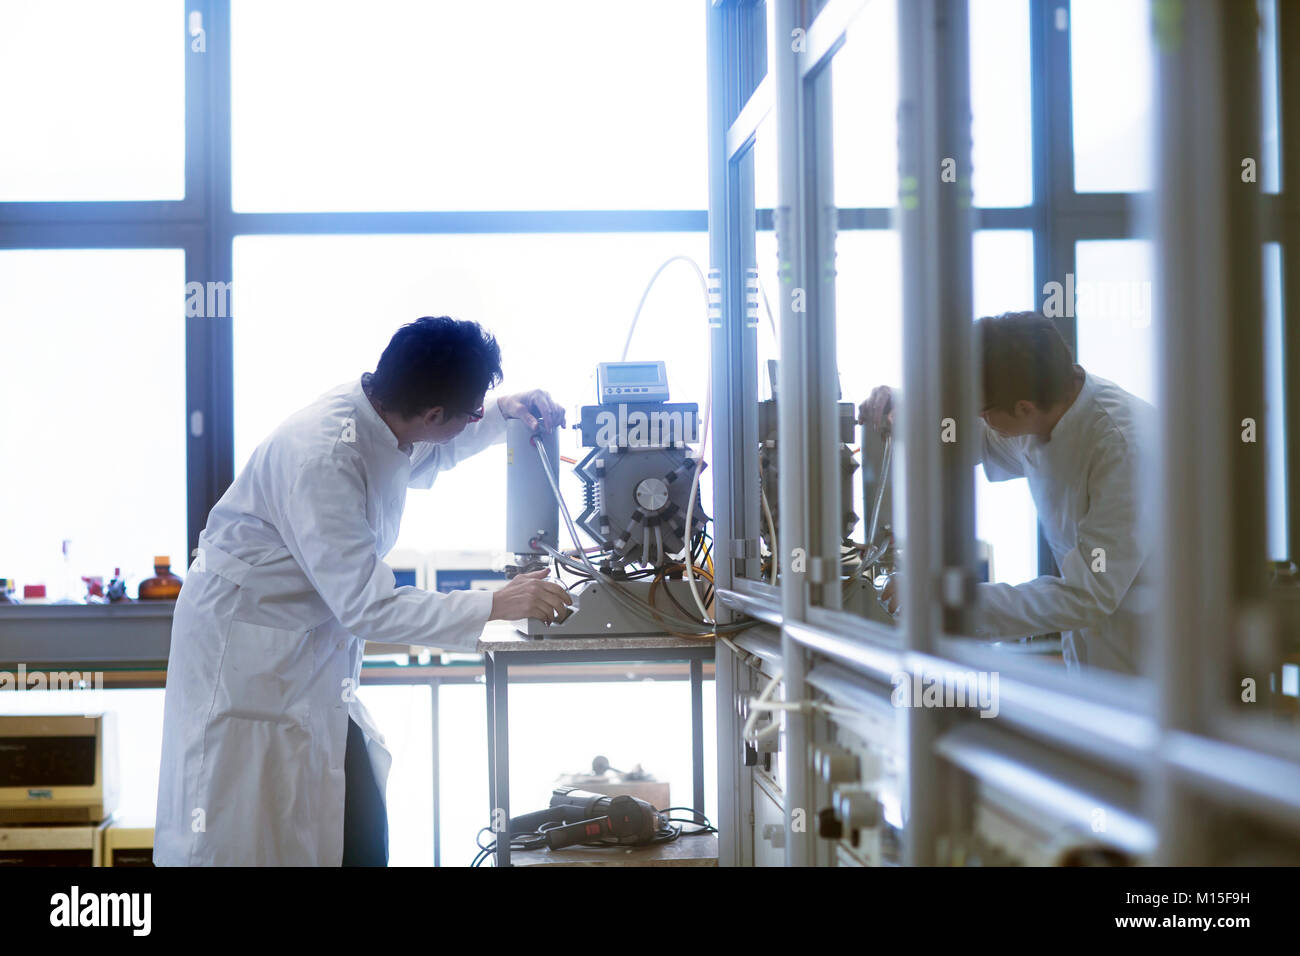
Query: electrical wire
x=628 y=601
x=699 y=274
x=747 y=733
x=771 y=524
x=708 y=411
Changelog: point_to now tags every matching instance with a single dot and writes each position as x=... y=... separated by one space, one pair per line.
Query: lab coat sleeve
x=428 y=458
x=1095 y=576
x=1001 y=463
x=326 y=531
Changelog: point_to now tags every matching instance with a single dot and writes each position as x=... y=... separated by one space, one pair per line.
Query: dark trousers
x=365 y=818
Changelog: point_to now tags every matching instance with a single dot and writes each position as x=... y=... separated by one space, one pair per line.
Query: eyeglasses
x=475 y=416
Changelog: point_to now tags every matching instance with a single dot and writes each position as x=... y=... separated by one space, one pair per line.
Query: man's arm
x=998 y=455
x=429 y=458
x=1095 y=576
x=325 y=530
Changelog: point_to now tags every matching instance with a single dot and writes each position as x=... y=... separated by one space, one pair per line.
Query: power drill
x=586 y=817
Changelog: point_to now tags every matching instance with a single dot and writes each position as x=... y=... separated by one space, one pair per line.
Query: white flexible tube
x=771 y=526
x=756 y=707
x=708 y=419
x=704 y=287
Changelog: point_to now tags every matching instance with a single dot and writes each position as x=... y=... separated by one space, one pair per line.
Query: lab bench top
x=501 y=636
x=685 y=851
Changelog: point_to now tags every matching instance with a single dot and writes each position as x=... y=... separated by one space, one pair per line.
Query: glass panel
x=863 y=86
x=1110 y=54
x=92 y=372
x=1270 y=173
x=864 y=101
x=92 y=100
x=1005 y=518
x=1002 y=156
x=508 y=105
x=761 y=160
x=1275 y=403
x=1112 y=307
x=869 y=337
x=333 y=302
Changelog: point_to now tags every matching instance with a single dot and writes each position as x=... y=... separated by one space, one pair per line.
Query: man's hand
x=536 y=409
x=890 y=598
x=529 y=596
x=878 y=411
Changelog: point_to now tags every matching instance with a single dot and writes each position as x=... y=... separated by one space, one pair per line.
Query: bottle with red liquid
x=163 y=586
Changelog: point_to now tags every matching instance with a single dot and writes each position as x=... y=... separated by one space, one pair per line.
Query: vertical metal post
x=436 y=748
x=792 y=409
x=1209 y=330
x=1288 y=38
x=209 y=370
x=697 y=738
x=501 y=756
x=733 y=345
x=491 y=738
x=1053 y=171
x=938 y=406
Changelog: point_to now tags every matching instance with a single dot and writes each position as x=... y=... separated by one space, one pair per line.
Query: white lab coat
x=269 y=630
x=1086 y=483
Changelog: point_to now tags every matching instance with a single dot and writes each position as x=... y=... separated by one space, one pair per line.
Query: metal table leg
x=491 y=738
x=437 y=786
x=501 y=758
x=697 y=737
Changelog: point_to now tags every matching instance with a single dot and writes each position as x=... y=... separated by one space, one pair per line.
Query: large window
x=92 y=100
x=316 y=311
x=1110 y=53
x=92 y=378
x=514 y=104
x=1005 y=517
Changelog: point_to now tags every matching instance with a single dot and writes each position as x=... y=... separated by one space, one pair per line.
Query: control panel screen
x=632 y=374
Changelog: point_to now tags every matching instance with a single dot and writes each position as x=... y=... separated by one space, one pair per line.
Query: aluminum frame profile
x=1208 y=308
x=734 y=31
x=938 y=374
x=790 y=222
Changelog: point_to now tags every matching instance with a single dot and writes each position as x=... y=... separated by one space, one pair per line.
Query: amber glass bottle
x=163 y=586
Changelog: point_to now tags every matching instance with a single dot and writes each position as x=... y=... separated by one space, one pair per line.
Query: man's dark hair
x=436 y=362
x=1025 y=359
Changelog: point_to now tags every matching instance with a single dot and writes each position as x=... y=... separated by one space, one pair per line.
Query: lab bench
x=126 y=646
x=503 y=648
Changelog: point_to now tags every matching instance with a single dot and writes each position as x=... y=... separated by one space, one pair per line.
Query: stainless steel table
x=503 y=646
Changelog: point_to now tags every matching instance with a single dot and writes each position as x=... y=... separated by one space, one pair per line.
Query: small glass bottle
x=116 y=592
x=163 y=586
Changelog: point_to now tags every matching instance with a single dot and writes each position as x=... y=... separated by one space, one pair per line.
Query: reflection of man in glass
x=1077 y=438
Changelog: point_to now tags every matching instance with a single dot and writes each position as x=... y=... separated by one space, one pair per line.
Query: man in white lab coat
x=268 y=756
x=1080 y=440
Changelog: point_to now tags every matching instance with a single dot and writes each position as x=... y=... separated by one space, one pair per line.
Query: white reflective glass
x=1005 y=517
x=1001 y=152
x=92 y=100
x=868 y=328
x=1113 y=309
x=864 y=104
x=511 y=104
x=1270 y=173
x=558 y=304
x=92 y=378
x=1111 y=58
x=1275 y=402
